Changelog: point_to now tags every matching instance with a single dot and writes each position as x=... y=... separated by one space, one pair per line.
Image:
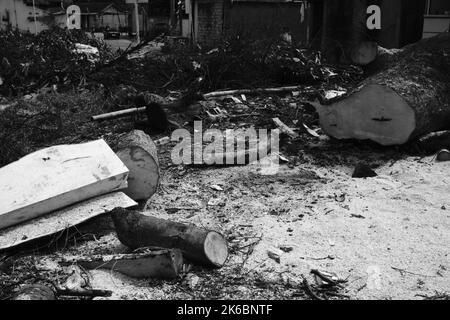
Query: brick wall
x=210 y=21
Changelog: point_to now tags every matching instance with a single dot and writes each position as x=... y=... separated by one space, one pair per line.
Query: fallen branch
x=309 y=290
x=285 y=129
x=250 y=91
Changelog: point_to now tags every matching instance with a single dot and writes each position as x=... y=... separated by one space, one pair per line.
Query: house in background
x=437 y=17
x=19 y=14
x=95 y=15
x=103 y=15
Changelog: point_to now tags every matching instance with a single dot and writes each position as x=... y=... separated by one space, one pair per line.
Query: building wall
x=214 y=19
x=401 y=22
x=259 y=20
x=209 y=21
x=17 y=15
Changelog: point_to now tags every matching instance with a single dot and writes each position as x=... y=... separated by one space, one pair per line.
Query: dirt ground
x=388 y=236
x=385 y=237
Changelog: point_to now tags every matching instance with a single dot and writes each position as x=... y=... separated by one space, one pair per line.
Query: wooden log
x=35 y=292
x=138 y=152
x=364 y=52
x=56 y=177
x=399 y=104
x=199 y=245
x=163 y=263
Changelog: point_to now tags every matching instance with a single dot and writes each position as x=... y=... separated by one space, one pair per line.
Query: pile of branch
x=29 y=62
x=235 y=64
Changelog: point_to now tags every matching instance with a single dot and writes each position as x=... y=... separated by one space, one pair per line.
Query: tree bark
x=138 y=152
x=35 y=292
x=202 y=246
x=401 y=103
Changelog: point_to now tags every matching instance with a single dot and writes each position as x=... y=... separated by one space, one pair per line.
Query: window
x=438 y=7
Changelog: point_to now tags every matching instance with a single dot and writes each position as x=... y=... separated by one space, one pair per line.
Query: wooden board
x=60 y=220
x=56 y=177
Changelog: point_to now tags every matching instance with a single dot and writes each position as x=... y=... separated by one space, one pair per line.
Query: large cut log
x=401 y=103
x=138 y=152
x=199 y=245
x=56 y=177
x=163 y=263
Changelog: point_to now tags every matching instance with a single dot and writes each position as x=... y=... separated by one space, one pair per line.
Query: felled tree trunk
x=138 y=152
x=35 y=292
x=202 y=246
x=409 y=99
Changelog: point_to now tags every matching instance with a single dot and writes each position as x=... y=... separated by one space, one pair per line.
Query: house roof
x=93 y=7
x=100 y=6
x=48 y=3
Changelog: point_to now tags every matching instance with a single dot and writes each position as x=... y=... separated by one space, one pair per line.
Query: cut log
x=201 y=246
x=163 y=264
x=399 y=104
x=56 y=177
x=364 y=53
x=35 y=292
x=138 y=152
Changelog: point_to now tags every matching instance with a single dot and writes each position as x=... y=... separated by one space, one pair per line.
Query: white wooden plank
x=60 y=220
x=56 y=177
